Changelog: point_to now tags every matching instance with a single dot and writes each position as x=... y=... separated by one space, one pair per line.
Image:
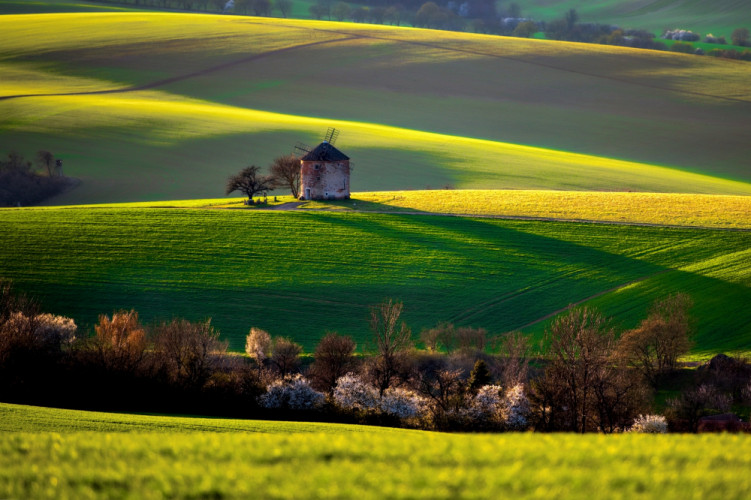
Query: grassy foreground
x=303 y=273
x=332 y=461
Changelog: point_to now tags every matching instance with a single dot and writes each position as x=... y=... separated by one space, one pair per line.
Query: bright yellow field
x=668 y=209
x=644 y=208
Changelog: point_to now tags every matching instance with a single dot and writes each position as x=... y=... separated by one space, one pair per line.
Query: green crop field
x=303 y=273
x=196 y=97
x=47 y=453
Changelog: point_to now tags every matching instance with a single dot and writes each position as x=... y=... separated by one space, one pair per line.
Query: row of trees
x=23 y=182
x=585 y=378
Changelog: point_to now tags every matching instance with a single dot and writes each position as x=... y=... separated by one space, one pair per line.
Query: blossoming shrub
x=650 y=424
x=294 y=393
x=484 y=408
x=351 y=393
x=402 y=403
x=515 y=412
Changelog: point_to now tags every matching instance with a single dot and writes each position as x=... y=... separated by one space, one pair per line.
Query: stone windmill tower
x=324 y=170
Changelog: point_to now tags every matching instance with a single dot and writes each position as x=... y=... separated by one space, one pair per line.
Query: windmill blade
x=301 y=149
x=331 y=135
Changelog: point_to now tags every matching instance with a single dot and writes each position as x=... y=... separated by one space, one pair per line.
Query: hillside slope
x=180 y=101
x=304 y=273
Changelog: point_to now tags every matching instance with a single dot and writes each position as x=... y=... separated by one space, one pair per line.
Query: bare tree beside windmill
x=286 y=171
x=324 y=170
x=249 y=181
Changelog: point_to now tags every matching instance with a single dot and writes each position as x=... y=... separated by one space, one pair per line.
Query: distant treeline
x=586 y=377
x=23 y=183
x=479 y=16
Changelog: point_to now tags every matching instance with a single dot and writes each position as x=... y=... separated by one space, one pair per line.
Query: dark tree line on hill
x=587 y=378
x=24 y=183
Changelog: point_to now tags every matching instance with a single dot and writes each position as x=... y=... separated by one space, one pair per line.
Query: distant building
x=324 y=174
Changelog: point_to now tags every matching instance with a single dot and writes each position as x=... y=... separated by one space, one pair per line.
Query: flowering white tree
x=46 y=329
x=403 y=403
x=351 y=393
x=57 y=329
x=515 y=411
x=294 y=393
x=258 y=345
x=484 y=408
x=650 y=424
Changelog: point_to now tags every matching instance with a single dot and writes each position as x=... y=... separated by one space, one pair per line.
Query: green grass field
x=303 y=273
x=417 y=108
x=64 y=454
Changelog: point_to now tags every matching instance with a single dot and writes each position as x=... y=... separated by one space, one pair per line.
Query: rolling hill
x=145 y=106
x=301 y=274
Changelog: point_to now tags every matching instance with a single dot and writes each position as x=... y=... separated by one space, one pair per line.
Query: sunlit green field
x=207 y=95
x=304 y=273
x=200 y=459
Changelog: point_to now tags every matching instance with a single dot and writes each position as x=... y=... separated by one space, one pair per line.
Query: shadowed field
x=304 y=273
x=181 y=101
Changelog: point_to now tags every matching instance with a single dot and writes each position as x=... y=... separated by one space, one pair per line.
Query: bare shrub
x=470 y=339
x=654 y=347
x=188 y=352
x=285 y=355
x=391 y=339
x=514 y=358
x=685 y=411
x=334 y=357
x=120 y=342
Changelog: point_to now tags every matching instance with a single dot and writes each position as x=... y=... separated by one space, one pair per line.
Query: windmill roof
x=325 y=152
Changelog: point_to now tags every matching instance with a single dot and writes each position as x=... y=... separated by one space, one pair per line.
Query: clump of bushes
x=681 y=35
x=22 y=184
x=588 y=378
x=650 y=424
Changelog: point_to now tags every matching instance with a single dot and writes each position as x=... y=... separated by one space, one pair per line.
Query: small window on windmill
x=318 y=178
x=317 y=166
